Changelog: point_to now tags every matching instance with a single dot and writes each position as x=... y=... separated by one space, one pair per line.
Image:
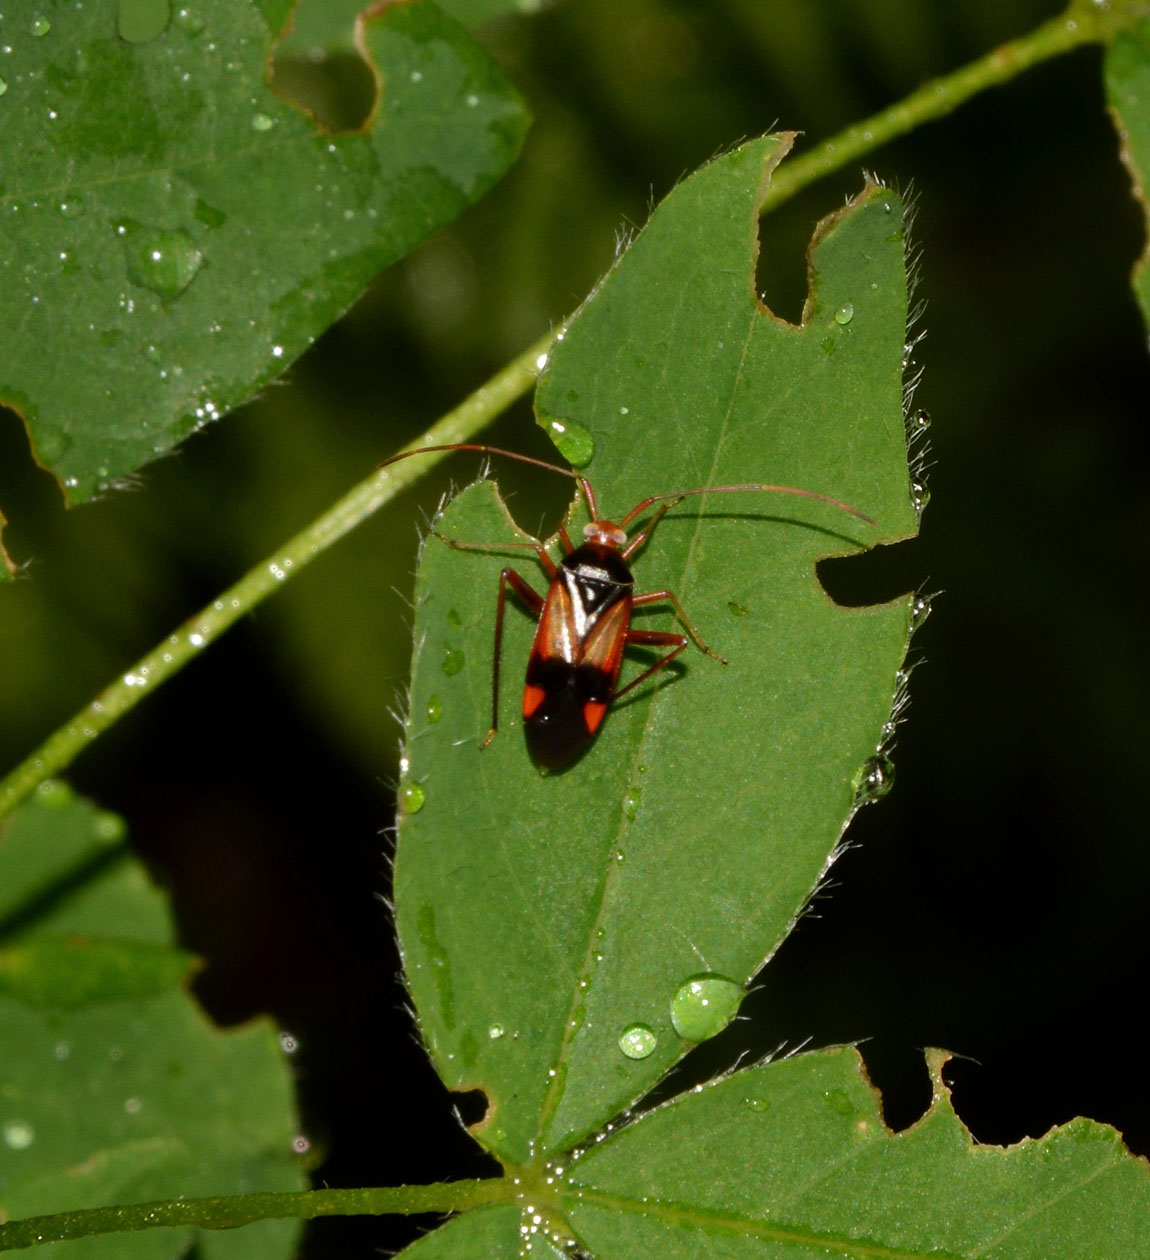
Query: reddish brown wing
x=603 y=651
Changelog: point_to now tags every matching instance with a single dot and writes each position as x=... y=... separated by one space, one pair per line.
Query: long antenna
x=639 y=508
x=760 y=487
x=582 y=481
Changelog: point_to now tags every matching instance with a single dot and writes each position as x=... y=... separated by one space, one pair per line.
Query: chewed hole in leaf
x=873 y=577
x=781 y=267
x=471 y=1104
x=337 y=89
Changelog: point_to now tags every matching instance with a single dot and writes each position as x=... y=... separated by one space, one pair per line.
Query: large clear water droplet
x=139 y=21
x=574 y=440
x=163 y=261
x=704 y=1005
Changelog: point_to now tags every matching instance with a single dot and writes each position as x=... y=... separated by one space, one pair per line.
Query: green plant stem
x=459 y=425
x=228 y=1212
x=1083 y=22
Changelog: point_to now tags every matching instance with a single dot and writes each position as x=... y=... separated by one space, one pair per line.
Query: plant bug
x=584 y=620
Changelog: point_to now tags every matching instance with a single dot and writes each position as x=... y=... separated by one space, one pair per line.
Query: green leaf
x=69 y=971
x=793 y=1159
x=1128 y=91
x=114 y=1088
x=549 y=925
x=173 y=234
x=491 y=1232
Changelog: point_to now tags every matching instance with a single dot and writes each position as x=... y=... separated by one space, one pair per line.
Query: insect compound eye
x=605 y=532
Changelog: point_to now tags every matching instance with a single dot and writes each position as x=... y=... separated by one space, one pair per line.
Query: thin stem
x=209 y=623
x=228 y=1212
x=1083 y=22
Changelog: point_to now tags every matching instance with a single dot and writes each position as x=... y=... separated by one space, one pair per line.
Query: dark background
x=993 y=904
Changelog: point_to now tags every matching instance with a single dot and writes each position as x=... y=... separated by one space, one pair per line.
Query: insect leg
x=652 y=638
x=653 y=597
x=534 y=601
x=641 y=537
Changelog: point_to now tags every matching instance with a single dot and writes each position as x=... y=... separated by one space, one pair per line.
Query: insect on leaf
x=567 y=938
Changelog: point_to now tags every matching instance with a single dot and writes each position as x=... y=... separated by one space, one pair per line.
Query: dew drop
x=3 y=87
x=288 y=1043
x=165 y=262
x=496 y=1031
x=574 y=441
x=140 y=21
x=261 y=122
x=704 y=1005
x=18 y=1134
x=757 y=1104
x=453 y=617
x=919 y=610
x=919 y=495
x=39 y=25
x=434 y=709
x=845 y=313
x=637 y=1041
x=631 y=803
x=413 y=798
x=453 y=660
x=874 y=780
x=188 y=20
x=920 y=422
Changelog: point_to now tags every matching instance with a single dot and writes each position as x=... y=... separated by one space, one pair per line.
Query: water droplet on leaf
x=413 y=798
x=18 y=1134
x=919 y=610
x=704 y=1005
x=874 y=780
x=189 y=21
x=165 y=262
x=139 y=21
x=638 y=1041
x=39 y=25
x=261 y=122
x=434 y=709
x=573 y=440
x=845 y=313
x=453 y=660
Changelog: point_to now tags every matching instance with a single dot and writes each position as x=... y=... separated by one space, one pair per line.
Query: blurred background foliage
x=993 y=904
